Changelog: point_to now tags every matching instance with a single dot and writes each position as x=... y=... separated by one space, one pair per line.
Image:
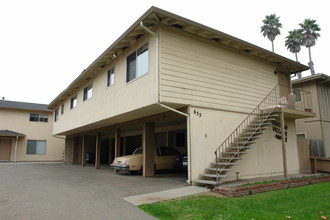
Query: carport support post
x=97 y=150
x=117 y=142
x=285 y=170
x=73 y=157
x=83 y=149
x=148 y=149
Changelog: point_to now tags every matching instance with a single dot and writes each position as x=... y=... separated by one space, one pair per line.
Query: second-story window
x=88 y=92
x=111 y=77
x=73 y=102
x=56 y=115
x=137 y=63
x=62 y=109
x=38 y=117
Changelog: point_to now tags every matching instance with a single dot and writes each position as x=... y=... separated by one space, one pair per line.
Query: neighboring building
x=316 y=129
x=169 y=81
x=26 y=133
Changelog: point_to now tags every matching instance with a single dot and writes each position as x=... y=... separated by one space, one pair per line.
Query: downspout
x=157 y=57
x=16 y=144
x=165 y=106
x=188 y=137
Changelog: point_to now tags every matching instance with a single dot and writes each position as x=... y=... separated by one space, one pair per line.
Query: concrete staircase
x=228 y=154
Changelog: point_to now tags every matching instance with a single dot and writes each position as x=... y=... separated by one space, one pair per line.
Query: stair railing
x=264 y=109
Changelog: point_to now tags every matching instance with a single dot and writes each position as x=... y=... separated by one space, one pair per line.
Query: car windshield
x=138 y=151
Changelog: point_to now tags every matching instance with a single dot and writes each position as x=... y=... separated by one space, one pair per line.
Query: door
x=5 y=147
x=284 y=83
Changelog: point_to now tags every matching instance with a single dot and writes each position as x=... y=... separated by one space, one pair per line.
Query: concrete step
x=251 y=133
x=229 y=158
x=233 y=153
x=248 y=138
x=223 y=164
x=236 y=143
x=208 y=175
x=207 y=182
x=239 y=147
x=219 y=169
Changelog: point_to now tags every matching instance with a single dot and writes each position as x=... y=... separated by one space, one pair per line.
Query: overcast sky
x=45 y=45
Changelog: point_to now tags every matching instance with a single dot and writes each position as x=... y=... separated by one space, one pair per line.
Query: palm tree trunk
x=310 y=54
x=311 y=64
x=296 y=56
x=273 y=46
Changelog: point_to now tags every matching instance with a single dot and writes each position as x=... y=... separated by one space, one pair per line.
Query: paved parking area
x=58 y=191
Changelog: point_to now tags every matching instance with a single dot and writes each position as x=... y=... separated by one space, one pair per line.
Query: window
x=137 y=63
x=43 y=118
x=88 y=92
x=56 y=115
x=34 y=117
x=111 y=77
x=297 y=93
x=73 y=102
x=36 y=147
x=38 y=117
x=62 y=109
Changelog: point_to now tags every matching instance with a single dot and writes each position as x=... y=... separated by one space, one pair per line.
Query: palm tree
x=309 y=30
x=293 y=43
x=271 y=28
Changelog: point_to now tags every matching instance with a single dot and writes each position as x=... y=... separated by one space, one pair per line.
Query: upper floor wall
x=103 y=96
x=199 y=72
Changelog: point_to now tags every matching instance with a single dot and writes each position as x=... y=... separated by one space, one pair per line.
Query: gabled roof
x=323 y=78
x=155 y=16
x=23 y=106
x=8 y=133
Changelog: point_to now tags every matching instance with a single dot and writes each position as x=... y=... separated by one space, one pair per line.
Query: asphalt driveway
x=58 y=191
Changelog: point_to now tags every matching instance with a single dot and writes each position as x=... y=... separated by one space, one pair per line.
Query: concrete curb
x=165 y=195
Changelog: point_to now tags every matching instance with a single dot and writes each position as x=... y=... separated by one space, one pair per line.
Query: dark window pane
x=43 y=118
x=31 y=147
x=111 y=77
x=34 y=117
x=131 y=67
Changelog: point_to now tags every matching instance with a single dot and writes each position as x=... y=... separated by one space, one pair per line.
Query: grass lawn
x=306 y=202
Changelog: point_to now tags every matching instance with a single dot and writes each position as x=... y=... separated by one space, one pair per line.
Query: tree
x=309 y=30
x=293 y=43
x=271 y=28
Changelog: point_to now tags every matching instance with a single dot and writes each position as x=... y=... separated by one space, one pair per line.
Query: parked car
x=165 y=158
x=90 y=157
x=181 y=162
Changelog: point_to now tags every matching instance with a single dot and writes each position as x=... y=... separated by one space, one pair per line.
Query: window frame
x=56 y=114
x=111 y=80
x=62 y=109
x=38 y=147
x=73 y=102
x=88 y=92
x=134 y=58
x=39 y=117
x=298 y=94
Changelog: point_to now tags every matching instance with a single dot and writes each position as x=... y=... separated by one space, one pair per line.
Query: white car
x=165 y=158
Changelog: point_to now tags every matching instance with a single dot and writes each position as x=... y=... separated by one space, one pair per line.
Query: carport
x=164 y=129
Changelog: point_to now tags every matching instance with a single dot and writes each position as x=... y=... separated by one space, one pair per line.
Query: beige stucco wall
x=312 y=127
x=197 y=72
x=264 y=159
x=18 y=121
x=117 y=99
x=207 y=133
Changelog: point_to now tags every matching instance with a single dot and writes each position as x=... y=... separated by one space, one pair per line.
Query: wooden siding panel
x=198 y=73
x=324 y=97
